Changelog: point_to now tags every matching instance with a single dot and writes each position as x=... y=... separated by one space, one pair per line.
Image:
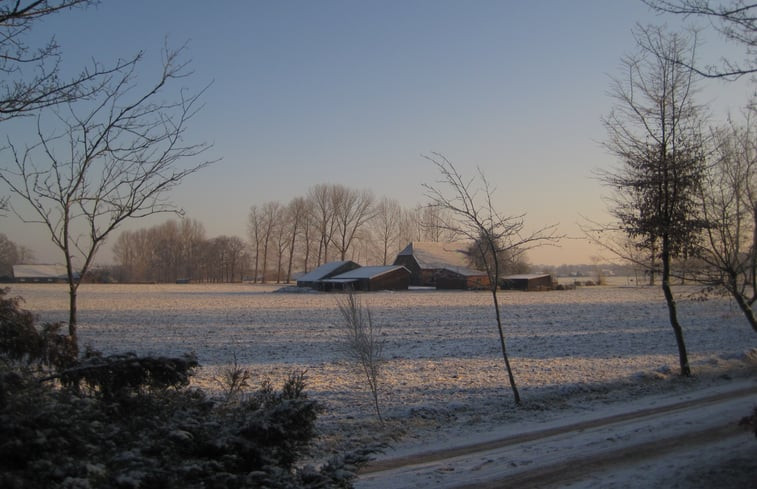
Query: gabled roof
x=324 y=271
x=40 y=271
x=467 y=272
x=525 y=276
x=430 y=255
x=367 y=272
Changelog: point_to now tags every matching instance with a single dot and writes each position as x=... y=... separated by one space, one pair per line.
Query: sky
x=356 y=92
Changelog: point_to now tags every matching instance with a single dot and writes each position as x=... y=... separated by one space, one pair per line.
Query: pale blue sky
x=353 y=92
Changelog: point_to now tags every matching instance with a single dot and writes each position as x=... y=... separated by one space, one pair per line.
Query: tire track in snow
x=580 y=465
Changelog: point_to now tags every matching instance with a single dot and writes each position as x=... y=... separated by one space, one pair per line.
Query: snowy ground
x=580 y=352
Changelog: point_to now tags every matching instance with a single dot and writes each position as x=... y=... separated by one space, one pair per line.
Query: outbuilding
x=327 y=270
x=528 y=282
x=462 y=278
x=389 y=277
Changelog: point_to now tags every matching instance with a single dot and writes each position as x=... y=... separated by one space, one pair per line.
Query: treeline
x=331 y=222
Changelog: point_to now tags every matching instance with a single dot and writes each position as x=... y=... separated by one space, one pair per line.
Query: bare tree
x=352 y=210
x=735 y=20
x=729 y=206
x=269 y=215
x=654 y=130
x=114 y=157
x=298 y=213
x=472 y=214
x=363 y=343
x=322 y=213
x=31 y=74
x=255 y=233
x=386 y=225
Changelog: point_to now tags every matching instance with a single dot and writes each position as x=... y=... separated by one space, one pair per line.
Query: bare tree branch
x=112 y=158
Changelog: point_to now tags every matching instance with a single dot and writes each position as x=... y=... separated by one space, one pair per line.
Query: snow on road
x=585 y=452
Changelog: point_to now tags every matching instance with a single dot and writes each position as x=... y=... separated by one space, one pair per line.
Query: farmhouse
x=327 y=270
x=527 y=282
x=39 y=273
x=429 y=262
x=369 y=279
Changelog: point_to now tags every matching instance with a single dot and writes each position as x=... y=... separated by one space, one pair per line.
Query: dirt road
x=623 y=448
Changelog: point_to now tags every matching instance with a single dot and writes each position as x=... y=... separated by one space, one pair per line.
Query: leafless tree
x=105 y=160
x=654 y=131
x=729 y=205
x=363 y=343
x=386 y=225
x=297 y=211
x=735 y=20
x=255 y=233
x=472 y=215
x=32 y=74
x=323 y=217
x=352 y=210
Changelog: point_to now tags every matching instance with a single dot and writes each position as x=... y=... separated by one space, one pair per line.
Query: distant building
x=528 y=282
x=40 y=273
x=441 y=265
x=325 y=271
x=391 y=277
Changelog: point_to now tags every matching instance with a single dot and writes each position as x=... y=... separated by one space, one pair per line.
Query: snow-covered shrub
x=21 y=341
x=125 y=421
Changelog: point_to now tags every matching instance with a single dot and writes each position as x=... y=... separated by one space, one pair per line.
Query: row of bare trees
x=332 y=222
x=179 y=250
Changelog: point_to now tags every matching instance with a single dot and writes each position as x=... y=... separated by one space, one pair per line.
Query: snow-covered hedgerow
x=124 y=421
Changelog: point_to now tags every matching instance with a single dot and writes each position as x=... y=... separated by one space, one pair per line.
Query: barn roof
x=467 y=272
x=430 y=255
x=367 y=272
x=323 y=271
x=526 y=276
x=40 y=271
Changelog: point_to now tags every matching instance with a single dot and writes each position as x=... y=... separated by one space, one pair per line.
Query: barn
x=528 y=282
x=389 y=277
x=462 y=278
x=426 y=261
x=40 y=273
x=327 y=270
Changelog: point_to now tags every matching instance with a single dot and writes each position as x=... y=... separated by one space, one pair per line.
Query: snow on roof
x=526 y=276
x=322 y=271
x=430 y=255
x=39 y=271
x=367 y=272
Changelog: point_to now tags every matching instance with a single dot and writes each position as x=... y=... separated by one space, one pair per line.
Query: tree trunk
x=742 y=302
x=672 y=310
x=72 y=313
x=510 y=375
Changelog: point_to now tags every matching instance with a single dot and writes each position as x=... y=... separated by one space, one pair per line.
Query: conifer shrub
x=127 y=422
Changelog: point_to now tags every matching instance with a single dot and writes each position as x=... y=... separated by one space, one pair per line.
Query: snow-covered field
x=574 y=351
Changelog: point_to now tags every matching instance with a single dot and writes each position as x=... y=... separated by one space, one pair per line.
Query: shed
x=528 y=282
x=391 y=277
x=327 y=270
x=426 y=260
x=462 y=278
x=40 y=273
